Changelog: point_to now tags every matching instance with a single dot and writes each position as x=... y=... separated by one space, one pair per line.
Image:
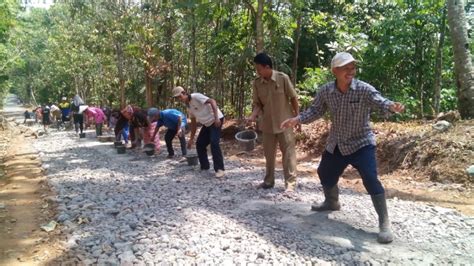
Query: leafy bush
x=312 y=80
x=448 y=100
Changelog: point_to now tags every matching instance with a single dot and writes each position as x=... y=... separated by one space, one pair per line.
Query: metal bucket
x=192 y=159
x=121 y=149
x=117 y=143
x=149 y=149
x=82 y=135
x=246 y=139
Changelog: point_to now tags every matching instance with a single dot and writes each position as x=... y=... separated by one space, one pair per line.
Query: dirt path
x=23 y=205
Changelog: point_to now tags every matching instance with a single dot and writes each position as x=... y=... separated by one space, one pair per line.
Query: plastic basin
x=246 y=139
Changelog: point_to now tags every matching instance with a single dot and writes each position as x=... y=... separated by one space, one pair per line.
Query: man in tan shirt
x=275 y=100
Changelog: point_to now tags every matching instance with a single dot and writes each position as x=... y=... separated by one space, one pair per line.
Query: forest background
x=114 y=53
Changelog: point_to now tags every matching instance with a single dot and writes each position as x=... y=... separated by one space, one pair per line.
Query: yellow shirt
x=273 y=97
x=64 y=105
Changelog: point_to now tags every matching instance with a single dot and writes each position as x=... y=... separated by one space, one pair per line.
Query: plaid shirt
x=350 y=113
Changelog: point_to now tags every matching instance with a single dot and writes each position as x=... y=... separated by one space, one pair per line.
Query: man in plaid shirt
x=351 y=141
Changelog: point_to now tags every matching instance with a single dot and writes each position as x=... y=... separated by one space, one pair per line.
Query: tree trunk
x=119 y=52
x=419 y=51
x=439 y=62
x=294 y=68
x=242 y=95
x=259 y=27
x=317 y=54
x=220 y=81
x=232 y=96
x=258 y=15
x=148 y=88
x=193 y=52
x=76 y=84
x=169 y=54
x=32 y=94
x=462 y=58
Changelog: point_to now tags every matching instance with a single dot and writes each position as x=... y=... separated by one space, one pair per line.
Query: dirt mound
x=441 y=157
x=230 y=128
x=414 y=146
x=312 y=138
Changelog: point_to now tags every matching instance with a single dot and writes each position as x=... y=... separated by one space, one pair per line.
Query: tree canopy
x=118 y=52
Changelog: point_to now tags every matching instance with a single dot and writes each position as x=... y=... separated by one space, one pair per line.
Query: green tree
x=463 y=60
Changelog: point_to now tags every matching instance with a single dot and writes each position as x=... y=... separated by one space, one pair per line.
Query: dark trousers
x=169 y=136
x=65 y=118
x=98 y=129
x=332 y=166
x=210 y=135
x=79 y=122
x=131 y=133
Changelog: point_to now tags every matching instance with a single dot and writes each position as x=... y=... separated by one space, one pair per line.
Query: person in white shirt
x=204 y=110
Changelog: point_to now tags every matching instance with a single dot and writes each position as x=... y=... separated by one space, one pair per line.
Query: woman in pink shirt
x=99 y=118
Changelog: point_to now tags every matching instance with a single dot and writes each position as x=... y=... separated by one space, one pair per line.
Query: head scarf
x=127 y=112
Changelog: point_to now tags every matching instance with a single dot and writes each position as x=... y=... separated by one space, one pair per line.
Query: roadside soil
x=23 y=197
x=430 y=169
x=402 y=184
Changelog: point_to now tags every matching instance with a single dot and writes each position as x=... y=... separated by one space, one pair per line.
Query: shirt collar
x=353 y=86
x=273 y=77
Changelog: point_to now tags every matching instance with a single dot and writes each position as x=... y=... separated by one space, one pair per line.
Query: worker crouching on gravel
x=138 y=125
x=120 y=124
x=175 y=123
x=204 y=110
x=351 y=140
x=99 y=118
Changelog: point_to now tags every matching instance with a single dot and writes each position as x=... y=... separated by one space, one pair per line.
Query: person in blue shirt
x=175 y=122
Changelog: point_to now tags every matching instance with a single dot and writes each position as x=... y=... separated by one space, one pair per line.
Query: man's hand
x=397 y=107
x=217 y=122
x=290 y=122
x=251 y=118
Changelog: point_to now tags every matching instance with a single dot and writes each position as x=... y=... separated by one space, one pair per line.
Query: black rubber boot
x=385 y=235
x=331 y=202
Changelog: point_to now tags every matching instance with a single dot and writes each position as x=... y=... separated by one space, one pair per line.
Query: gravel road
x=132 y=208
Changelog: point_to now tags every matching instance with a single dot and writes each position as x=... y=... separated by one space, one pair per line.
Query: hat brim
x=345 y=62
